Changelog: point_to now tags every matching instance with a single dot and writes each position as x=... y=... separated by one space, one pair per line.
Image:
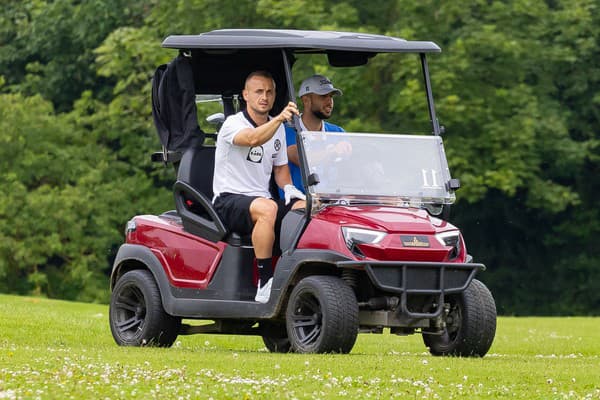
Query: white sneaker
x=264 y=292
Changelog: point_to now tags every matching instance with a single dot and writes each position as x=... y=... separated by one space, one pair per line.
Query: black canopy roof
x=298 y=41
x=221 y=59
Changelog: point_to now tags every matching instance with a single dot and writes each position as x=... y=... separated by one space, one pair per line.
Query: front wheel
x=136 y=314
x=322 y=316
x=470 y=324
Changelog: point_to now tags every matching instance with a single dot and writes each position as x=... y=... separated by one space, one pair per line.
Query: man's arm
x=251 y=137
x=284 y=181
x=292 y=153
x=282 y=175
x=292 y=148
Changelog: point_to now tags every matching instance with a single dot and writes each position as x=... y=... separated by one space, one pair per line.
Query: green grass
x=58 y=350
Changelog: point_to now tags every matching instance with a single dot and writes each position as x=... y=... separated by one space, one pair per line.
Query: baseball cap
x=317 y=84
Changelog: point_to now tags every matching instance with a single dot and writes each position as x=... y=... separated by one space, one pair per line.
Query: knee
x=299 y=204
x=271 y=210
x=265 y=210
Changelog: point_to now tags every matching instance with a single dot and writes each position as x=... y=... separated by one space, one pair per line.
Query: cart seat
x=193 y=193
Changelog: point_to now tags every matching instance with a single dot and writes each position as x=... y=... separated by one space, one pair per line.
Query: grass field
x=59 y=350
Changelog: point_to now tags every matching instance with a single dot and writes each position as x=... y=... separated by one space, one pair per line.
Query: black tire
x=275 y=338
x=136 y=314
x=322 y=316
x=470 y=325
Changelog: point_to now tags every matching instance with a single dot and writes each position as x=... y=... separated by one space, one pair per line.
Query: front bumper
x=412 y=278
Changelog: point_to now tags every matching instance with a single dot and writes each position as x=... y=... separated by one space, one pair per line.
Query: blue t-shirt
x=290 y=138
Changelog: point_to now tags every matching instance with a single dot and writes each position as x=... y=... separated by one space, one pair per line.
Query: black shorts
x=234 y=210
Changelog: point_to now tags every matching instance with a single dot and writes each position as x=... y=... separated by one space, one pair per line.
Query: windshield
x=402 y=170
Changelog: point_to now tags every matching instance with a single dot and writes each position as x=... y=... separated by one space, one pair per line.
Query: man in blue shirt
x=316 y=93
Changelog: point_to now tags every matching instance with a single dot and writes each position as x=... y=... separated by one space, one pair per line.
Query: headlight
x=131 y=226
x=354 y=236
x=451 y=239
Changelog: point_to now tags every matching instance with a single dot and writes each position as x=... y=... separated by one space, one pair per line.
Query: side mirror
x=453 y=184
x=216 y=119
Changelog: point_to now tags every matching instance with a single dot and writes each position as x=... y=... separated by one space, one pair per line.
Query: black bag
x=174 y=105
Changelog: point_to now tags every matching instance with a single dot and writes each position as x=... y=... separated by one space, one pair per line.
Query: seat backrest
x=197 y=167
x=193 y=194
x=228 y=105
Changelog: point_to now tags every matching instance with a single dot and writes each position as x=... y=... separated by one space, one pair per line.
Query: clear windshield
x=404 y=170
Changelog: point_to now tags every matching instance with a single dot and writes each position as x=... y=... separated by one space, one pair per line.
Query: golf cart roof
x=299 y=41
x=222 y=59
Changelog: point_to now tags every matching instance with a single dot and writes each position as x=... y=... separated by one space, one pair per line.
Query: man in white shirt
x=251 y=145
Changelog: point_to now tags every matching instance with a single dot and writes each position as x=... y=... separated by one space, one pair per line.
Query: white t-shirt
x=304 y=128
x=243 y=169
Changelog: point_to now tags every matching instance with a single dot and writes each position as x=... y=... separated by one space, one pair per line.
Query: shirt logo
x=277 y=144
x=255 y=154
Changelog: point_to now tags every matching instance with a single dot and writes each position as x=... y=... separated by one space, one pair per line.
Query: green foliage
x=46 y=47
x=64 y=204
x=48 y=209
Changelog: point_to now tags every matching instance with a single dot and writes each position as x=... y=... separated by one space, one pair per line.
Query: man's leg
x=299 y=204
x=263 y=213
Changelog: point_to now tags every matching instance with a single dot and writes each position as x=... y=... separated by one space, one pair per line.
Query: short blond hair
x=262 y=73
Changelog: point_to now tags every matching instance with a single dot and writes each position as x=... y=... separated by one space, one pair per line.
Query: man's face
x=259 y=94
x=321 y=105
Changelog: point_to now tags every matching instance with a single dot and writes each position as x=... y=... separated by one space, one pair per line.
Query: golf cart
x=371 y=251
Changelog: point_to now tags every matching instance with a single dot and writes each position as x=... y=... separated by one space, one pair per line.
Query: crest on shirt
x=277 y=144
x=255 y=154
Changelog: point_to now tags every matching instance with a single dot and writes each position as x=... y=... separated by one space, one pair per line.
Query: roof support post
x=432 y=117
x=296 y=123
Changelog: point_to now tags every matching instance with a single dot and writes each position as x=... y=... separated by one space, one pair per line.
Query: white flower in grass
x=425 y=362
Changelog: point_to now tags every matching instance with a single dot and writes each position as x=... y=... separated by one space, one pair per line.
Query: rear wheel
x=470 y=324
x=322 y=316
x=275 y=338
x=136 y=314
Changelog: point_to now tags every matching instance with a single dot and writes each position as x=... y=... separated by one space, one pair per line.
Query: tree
x=516 y=87
x=46 y=47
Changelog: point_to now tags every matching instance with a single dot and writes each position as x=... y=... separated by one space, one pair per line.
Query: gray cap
x=317 y=84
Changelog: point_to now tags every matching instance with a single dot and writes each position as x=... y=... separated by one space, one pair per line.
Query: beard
x=320 y=115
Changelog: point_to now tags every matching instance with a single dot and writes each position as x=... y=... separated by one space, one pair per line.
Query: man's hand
x=342 y=148
x=288 y=112
x=291 y=192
